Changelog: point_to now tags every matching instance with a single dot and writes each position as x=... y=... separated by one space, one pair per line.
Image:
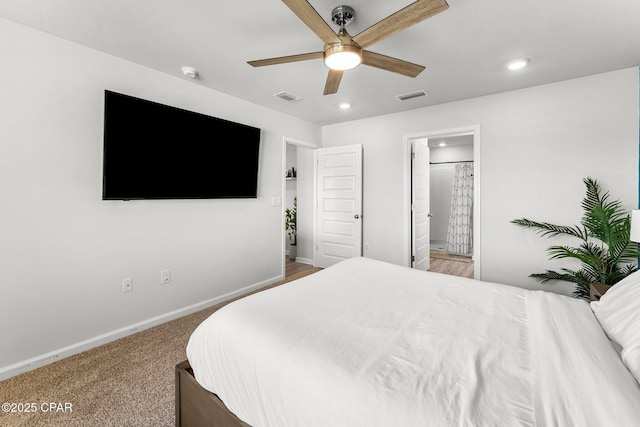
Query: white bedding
x=367 y=343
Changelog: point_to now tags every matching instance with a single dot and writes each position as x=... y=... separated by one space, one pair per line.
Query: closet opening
x=297 y=193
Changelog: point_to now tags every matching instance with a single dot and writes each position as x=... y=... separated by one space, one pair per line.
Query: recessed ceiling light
x=517 y=64
x=344 y=106
x=190 y=72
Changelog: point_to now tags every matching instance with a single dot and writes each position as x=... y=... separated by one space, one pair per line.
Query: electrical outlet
x=366 y=246
x=127 y=284
x=165 y=277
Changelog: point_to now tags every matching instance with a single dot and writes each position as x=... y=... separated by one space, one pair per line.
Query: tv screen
x=154 y=151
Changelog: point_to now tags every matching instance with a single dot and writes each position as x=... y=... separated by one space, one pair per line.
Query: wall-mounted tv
x=155 y=151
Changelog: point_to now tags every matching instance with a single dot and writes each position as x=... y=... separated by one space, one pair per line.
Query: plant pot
x=597 y=290
x=293 y=252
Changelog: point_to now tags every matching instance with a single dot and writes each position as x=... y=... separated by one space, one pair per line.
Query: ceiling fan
x=342 y=52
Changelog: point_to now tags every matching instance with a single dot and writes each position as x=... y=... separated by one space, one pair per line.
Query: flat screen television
x=155 y=151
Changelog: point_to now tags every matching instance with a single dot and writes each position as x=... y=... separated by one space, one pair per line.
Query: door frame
x=283 y=193
x=408 y=142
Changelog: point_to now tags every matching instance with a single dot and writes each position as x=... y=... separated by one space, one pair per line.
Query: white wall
x=64 y=251
x=537 y=145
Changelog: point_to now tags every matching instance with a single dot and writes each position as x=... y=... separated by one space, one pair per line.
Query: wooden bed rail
x=197 y=407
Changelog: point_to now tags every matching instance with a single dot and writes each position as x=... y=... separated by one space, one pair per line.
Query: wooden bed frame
x=198 y=407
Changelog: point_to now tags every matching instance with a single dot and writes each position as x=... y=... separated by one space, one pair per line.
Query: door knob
x=356 y=216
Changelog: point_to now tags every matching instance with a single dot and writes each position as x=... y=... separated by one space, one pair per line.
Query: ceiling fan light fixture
x=342 y=57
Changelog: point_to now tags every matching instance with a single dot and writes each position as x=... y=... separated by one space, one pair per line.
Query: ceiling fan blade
x=313 y=20
x=333 y=82
x=402 y=19
x=285 y=59
x=388 y=63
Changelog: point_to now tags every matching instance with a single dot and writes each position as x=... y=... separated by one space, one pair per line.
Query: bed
x=369 y=343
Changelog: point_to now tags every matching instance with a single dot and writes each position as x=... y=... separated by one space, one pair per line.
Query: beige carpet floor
x=128 y=382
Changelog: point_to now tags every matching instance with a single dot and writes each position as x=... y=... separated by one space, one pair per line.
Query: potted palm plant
x=605 y=251
x=290 y=224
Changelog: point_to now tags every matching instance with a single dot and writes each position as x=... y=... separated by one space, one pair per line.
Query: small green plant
x=290 y=221
x=606 y=253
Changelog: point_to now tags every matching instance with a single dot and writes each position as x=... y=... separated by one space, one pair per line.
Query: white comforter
x=367 y=343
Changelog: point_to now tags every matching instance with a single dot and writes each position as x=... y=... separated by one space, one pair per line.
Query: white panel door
x=420 y=216
x=339 y=204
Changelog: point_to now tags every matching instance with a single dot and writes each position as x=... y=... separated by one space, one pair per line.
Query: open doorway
x=452 y=205
x=452 y=228
x=297 y=184
x=291 y=200
x=451 y=195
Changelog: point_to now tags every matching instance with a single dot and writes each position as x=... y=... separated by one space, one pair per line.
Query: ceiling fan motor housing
x=343 y=15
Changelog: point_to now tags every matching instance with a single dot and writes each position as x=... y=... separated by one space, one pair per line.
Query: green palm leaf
x=605 y=251
x=580 y=278
x=545 y=229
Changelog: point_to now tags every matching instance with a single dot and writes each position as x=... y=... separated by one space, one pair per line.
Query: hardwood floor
x=293 y=268
x=439 y=263
x=454 y=265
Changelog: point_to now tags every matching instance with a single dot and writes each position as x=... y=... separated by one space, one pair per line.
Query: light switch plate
x=127 y=284
x=165 y=277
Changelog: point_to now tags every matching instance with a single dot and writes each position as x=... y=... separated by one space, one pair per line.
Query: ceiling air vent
x=287 y=96
x=411 y=95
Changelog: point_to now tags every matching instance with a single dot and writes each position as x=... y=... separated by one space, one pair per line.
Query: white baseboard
x=7 y=372
x=300 y=260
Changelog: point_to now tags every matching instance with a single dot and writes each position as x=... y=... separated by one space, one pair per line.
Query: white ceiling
x=464 y=48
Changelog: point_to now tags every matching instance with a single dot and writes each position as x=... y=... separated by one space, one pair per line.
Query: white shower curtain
x=460 y=231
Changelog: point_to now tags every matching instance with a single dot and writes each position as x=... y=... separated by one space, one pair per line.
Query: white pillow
x=618 y=311
x=631 y=358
